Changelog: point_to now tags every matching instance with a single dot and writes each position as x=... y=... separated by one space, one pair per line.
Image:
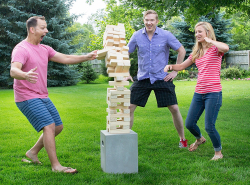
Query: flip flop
x=192 y=146
x=216 y=157
x=67 y=170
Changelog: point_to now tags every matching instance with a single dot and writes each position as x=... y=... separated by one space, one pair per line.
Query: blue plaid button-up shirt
x=152 y=55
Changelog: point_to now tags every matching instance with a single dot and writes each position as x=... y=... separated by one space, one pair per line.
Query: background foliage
x=69 y=37
x=13 y=16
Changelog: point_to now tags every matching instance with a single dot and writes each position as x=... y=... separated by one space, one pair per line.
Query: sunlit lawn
x=83 y=111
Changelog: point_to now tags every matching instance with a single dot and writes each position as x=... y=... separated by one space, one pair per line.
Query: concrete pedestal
x=119 y=152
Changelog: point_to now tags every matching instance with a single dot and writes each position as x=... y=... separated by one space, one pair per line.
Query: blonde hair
x=197 y=50
x=150 y=12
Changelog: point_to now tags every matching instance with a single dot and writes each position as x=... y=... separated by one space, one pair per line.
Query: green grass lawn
x=161 y=161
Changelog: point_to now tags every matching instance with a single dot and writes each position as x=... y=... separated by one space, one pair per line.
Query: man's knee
x=174 y=109
x=59 y=129
x=49 y=128
x=132 y=108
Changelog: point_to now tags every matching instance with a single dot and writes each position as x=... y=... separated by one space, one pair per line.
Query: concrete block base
x=119 y=152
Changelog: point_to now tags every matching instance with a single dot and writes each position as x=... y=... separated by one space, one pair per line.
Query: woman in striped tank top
x=206 y=54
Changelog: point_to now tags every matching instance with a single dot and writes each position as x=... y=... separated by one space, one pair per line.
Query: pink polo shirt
x=32 y=56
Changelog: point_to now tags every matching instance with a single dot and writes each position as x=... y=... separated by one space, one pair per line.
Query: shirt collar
x=156 y=30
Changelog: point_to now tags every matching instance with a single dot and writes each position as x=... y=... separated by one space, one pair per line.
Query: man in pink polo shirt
x=29 y=65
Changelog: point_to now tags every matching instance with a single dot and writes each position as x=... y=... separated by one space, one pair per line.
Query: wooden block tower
x=117 y=61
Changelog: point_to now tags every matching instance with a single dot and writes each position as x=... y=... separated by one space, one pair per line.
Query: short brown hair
x=150 y=12
x=32 y=21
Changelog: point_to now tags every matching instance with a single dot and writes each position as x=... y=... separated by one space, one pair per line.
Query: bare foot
x=65 y=170
x=33 y=157
x=195 y=145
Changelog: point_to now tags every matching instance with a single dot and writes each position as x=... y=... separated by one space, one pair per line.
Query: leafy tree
x=88 y=73
x=240 y=31
x=13 y=16
x=192 y=9
x=186 y=34
x=82 y=39
x=222 y=28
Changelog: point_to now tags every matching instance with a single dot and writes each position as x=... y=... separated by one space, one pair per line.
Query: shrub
x=245 y=73
x=103 y=79
x=184 y=74
x=89 y=73
x=231 y=72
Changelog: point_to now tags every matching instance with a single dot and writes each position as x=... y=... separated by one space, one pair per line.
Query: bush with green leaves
x=231 y=72
x=184 y=74
x=245 y=73
x=89 y=73
x=103 y=79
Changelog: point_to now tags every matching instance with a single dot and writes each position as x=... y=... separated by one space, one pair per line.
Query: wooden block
x=125 y=48
x=126 y=69
x=125 y=111
x=111 y=119
x=116 y=28
x=125 y=104
x=122 y=43
x=119 y=123
x=125 y=127
x=119 y=78
x=119 y=67
x=110 y=42
x=111 y=127
x=112 y=74
x=109 y=96
x=118 y=131
x=109 y=36
x=110 y=55
x=109 y=28
x=116 y=38
x=110 y=70
x=111 y=111
x=110 y=48
x=124 y=52
x=119 y=107
x=120 y=100
x=114 y=32
x=112 y=104
x=119 y=115
x=118 y=49
x=126 y=119
x=119 y=88
x=101 y=54
x=122 y=37
x=125 y=57
x=116 y=43
x=119 y=56
x=126 y=96
x=115 y=92
x=114 y=62
x=118 y=83
x=106 y=37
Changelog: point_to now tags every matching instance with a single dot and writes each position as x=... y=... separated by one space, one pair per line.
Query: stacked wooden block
x=117 y=61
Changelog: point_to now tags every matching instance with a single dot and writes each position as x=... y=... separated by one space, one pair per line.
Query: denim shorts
x=40 y=112
x=164 y=92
